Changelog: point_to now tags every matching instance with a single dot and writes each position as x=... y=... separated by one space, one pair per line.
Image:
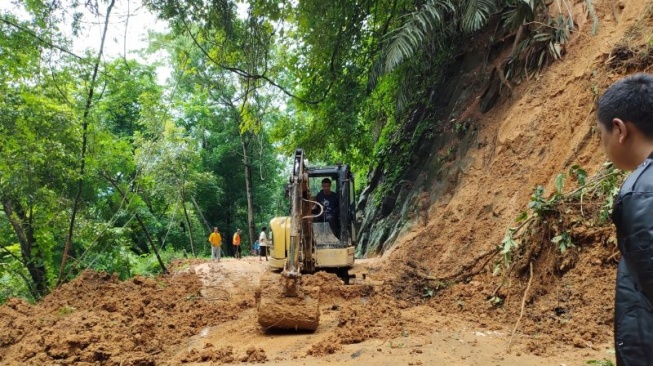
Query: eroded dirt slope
x=547 y=126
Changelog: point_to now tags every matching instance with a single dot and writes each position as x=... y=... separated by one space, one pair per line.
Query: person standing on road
x=216 y=242
x=625 y=119
x=263 y=244
x=236 y=243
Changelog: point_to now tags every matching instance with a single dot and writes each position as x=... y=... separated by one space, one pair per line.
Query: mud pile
x=98 y=319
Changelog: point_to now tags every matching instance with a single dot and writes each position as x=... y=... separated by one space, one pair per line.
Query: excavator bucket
x=283 y=304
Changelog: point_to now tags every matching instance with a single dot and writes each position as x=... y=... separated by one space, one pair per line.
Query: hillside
x=431 y=297
x=546 y=126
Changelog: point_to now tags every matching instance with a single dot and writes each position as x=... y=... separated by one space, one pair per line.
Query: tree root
x=487 y=255
x=462 y=273
x=523 y=304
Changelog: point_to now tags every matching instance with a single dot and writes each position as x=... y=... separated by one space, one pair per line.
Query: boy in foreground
x=625 y=119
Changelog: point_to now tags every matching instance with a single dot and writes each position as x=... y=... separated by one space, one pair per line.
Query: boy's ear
x=621 y=129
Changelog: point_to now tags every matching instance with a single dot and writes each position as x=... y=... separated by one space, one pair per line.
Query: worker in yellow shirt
x=216 y=241
x=236 y=243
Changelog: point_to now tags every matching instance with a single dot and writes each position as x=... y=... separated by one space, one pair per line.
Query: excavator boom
x=282 y=301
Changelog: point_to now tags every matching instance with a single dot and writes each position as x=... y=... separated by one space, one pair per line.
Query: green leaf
x=563 y=241
x=522 y=216
x=604 y=362
x=508 y=242
x=560 y=183
x=580 y=174
x=497 y=270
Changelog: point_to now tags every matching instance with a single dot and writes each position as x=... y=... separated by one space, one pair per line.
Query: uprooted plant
x=561 y=219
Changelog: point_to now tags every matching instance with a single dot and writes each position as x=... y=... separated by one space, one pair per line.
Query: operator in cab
x=331 y=212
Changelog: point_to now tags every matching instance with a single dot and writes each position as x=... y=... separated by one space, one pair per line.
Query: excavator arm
x=298 y=190
x=282 y=302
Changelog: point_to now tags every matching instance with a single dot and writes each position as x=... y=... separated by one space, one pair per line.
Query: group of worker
x=260 y=246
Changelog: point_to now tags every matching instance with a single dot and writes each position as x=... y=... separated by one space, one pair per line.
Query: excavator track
x=277 y=310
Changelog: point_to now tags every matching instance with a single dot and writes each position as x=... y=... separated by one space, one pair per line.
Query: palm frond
x=520 y=12
x=407 y=38
x=476 y=14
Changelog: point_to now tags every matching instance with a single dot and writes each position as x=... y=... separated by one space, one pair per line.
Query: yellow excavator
x=307 y=241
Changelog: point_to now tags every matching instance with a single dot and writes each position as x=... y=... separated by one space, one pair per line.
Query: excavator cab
x=335 y=241
x=333 y=244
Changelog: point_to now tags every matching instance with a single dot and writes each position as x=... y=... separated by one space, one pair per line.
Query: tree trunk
x=82 y=161
x=32 y=257
x=149 y=239
x=248 y=187
x=190 y=228
x=199 y=210
x=206 y=223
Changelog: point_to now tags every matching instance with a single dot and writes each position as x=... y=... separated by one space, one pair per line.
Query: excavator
x=304 y=243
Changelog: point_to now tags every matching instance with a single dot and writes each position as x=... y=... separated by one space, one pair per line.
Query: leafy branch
x=561 y=212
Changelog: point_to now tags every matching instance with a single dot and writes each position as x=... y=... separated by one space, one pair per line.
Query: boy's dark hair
x=326 y=180
x=263 y=228
x=631 y=100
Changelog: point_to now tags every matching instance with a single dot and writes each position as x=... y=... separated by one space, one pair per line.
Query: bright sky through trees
x=127 y=33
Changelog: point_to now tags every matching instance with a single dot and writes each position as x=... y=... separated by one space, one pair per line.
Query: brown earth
x=205 y=314
x=431 y=299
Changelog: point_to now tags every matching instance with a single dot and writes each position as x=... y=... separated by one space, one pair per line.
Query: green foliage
x=38 y=154
x=559 y=183
x=462 y=127
x=147 y=265
x=543 y=31
x=609 y=188
x=508 y=245
x=65 y=310
x=592 y=13
x=538 y=203
x=579 y=174
x=435 y=20
x=563 y=241
x=12 y=284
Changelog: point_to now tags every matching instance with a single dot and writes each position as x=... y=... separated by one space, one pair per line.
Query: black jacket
x=633 y=218
x=331 y=205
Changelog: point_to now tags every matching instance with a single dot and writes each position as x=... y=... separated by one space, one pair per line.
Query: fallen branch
x=523 y=303
x=419 y=272
x=487 y=255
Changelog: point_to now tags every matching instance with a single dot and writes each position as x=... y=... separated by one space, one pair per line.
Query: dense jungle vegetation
x=105 y=167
